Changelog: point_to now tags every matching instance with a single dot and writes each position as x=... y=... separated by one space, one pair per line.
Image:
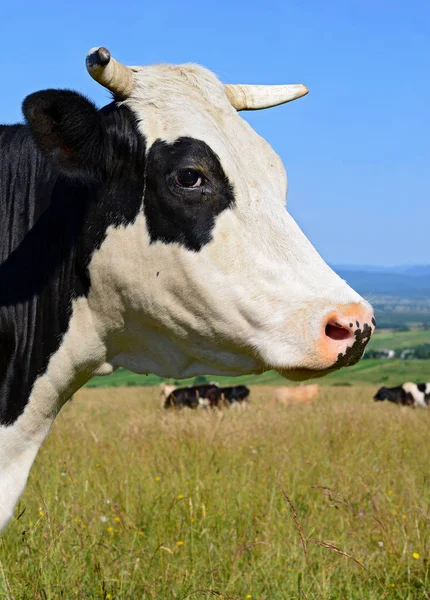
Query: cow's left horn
x=110 y=73
x=255 y=97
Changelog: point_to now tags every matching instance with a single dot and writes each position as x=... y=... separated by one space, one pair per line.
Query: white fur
x=419 y=397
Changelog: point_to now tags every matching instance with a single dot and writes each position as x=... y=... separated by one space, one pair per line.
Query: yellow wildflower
x=404 y=517
x=179 y=496
x=416 y=555
x=108 y=596
x=41 y=513
x=390 y=492
x=248 y=596
x=109 y=529
x=179 y=543
x=117 y=519
x=157 y=478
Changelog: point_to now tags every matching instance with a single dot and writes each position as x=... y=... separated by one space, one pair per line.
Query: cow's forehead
x=169 y=86
x=174 y=101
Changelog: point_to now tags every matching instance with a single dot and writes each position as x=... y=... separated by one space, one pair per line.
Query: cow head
x=382 y=394
x=199 y=268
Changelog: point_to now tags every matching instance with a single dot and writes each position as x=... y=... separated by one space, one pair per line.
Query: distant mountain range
x=405 y=281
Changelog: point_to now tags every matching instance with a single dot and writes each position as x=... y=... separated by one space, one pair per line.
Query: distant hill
x=404 y=282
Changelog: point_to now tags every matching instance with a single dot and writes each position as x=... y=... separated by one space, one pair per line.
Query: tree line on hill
x=420 y=352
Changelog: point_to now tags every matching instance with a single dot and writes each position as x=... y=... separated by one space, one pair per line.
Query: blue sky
x=356 y=149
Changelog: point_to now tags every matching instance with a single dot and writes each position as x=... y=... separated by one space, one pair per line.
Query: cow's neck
x=49 y=345
x=39 y=272
x=78 y=356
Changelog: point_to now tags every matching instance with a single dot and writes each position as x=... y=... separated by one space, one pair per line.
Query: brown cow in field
x=294 y=396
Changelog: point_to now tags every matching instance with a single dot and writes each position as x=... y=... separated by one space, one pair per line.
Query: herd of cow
x=208 y=395
x=211 y=395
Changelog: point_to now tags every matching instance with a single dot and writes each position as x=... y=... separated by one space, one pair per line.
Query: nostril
x=336 y=332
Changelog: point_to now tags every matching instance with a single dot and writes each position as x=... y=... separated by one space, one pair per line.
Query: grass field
x=373 y=372
x=128 y=502
x=399 y=339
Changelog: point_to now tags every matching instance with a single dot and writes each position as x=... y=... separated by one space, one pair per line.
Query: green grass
x=387 y=372
x=127 y=502
x=401 y=339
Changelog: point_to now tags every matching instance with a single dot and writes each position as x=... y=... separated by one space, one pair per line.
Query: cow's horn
x=255 y=97
x=110 y=73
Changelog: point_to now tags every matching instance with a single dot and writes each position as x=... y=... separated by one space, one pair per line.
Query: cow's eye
x=189 y=178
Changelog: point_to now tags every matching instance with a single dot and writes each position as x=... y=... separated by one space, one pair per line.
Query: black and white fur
x=407 y=394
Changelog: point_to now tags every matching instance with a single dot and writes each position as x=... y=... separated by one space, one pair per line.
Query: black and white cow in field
x=408 y=394
x=193 y=396
x=120 y=226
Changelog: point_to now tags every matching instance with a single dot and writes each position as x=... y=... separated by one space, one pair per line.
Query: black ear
x=67 y=127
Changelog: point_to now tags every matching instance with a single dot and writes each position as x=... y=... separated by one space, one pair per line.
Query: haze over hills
x=401 y=282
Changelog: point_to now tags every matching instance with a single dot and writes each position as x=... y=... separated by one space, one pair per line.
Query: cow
x=236 y=395
x=182 y=397
x=192 y=396
x=291 y=396
x=119 y=227
x=407 y=394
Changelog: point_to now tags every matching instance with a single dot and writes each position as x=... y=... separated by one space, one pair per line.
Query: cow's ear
x=67 y=127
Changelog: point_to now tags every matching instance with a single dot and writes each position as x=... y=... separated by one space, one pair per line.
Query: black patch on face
x=181 y=215
x=354 y=352
x=421 y=387
x=381 y=394
x=54 y=213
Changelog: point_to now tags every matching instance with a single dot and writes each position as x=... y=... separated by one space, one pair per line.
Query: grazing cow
x=193 y=396
x=120 y=226
x=290 y=396
x=234 y=395
x=182 y=397
x=408 y=394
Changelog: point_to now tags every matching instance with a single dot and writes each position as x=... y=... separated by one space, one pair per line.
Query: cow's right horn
x=110 y=73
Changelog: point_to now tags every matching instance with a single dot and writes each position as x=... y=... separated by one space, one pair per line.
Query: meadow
x=127 y=501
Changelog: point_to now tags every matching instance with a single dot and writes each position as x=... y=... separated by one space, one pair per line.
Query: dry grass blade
x=211 y=593
x=335 y=549
x=296 y=521
x=240 y=551
x=305 y=539
x=422 y=513
x=9 y=594
x=332 y=495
